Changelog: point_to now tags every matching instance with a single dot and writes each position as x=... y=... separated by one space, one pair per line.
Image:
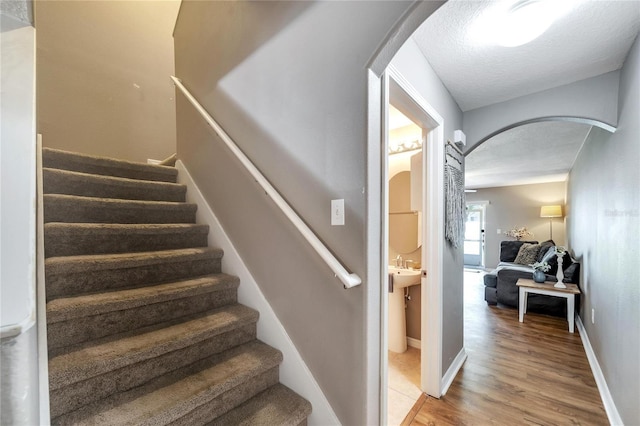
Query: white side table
x=526 y=286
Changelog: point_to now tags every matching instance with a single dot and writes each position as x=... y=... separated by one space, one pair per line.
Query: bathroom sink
x=404 y=277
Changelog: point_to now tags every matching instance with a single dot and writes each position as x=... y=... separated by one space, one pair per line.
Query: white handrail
x=349 y=280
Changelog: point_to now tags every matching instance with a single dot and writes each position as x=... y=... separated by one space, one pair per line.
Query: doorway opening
x=412 y=243
x=474 y=236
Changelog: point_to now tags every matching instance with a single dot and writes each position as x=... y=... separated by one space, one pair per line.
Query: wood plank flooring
x=531 y=373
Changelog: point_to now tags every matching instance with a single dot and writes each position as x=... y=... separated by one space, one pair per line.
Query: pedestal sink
x=397 y=331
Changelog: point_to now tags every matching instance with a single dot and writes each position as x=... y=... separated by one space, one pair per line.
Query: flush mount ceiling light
x=514 y=23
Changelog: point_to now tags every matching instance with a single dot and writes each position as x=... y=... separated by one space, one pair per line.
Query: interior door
x=474 y=236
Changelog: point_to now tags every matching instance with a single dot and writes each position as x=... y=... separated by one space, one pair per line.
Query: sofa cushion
x=509 y=249
x=527 y=254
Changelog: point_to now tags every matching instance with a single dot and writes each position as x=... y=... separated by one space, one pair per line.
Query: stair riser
x=74 y=243
x=88 y=186
x=88 y=211
x=230 y=399
x=78 y=330
x=76 y=395
x=106 y=167
x=88 y=281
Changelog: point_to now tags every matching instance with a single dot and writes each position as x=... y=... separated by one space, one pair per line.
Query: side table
x=526 y=286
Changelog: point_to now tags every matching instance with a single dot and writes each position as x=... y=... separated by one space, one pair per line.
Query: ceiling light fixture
x=514 y=23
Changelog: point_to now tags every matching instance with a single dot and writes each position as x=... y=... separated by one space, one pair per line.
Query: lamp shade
x=551 y=211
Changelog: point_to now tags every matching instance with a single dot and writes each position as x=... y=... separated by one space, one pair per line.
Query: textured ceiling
x=592 y=39
x=532 y=153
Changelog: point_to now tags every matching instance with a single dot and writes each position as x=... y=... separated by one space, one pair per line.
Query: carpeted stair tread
x=93 y=262
x=213 y=388
x=94 y=304
x=143 y=328
x=74 y=275
x=80 y=319
x=73 y=208
x=57 y=181
x=277 y=405
x=69 y=239
x=58 y=159
x=91 y=361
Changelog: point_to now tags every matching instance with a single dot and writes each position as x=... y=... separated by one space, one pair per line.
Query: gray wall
x=411 y=63
x=604 y=209
x=284 y=82
x=590 y=99
x=108 y=64
x=516 y=206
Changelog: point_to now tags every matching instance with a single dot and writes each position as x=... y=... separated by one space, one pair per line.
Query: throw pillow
x=527 y=254
x=548 y=255
x=544 y=249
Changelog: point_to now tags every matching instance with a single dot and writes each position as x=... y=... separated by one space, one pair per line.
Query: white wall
x=603 y=201
x=18 y=345
x=18 y=172
x=411 y=63
x=516 y=206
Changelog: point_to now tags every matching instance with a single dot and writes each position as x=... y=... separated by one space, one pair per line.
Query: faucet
x=399 y=261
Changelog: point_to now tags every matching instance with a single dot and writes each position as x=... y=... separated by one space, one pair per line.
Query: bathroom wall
x=399 y=163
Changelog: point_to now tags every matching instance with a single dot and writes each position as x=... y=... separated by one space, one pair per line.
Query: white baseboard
x=294 y=373
x=607 y=399
x=451 y=373
x=414 y=343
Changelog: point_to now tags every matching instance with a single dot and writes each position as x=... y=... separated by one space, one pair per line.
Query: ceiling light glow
x=514 y=23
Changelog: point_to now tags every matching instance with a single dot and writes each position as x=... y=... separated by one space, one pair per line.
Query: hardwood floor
x=533 y=373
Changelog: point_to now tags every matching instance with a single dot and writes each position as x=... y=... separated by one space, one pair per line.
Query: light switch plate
x=337 y=212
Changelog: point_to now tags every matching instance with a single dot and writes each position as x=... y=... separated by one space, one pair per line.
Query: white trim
x=41 y=298
x=294 y=373
x=152 y=161
x=414 y=343
x=603 y=388
x=376 y=298
x=349 y=280
x=382 y=243
x=451 y=373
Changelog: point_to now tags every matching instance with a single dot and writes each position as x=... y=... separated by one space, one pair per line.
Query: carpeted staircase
x=143 y=327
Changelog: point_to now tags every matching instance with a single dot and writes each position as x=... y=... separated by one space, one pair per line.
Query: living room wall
x=603 y=203
x=516 y=206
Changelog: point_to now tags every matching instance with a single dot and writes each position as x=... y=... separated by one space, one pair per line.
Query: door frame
x=397 y=90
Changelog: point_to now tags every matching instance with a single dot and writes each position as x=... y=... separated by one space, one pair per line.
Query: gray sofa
x=500 y=284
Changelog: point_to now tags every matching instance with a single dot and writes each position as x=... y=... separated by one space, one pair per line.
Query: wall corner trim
x=294 y=373
x=603 y=388
x=451 y=373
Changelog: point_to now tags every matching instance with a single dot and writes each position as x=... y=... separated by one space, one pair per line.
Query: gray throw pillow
x=527 y=254
x=551 y=253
